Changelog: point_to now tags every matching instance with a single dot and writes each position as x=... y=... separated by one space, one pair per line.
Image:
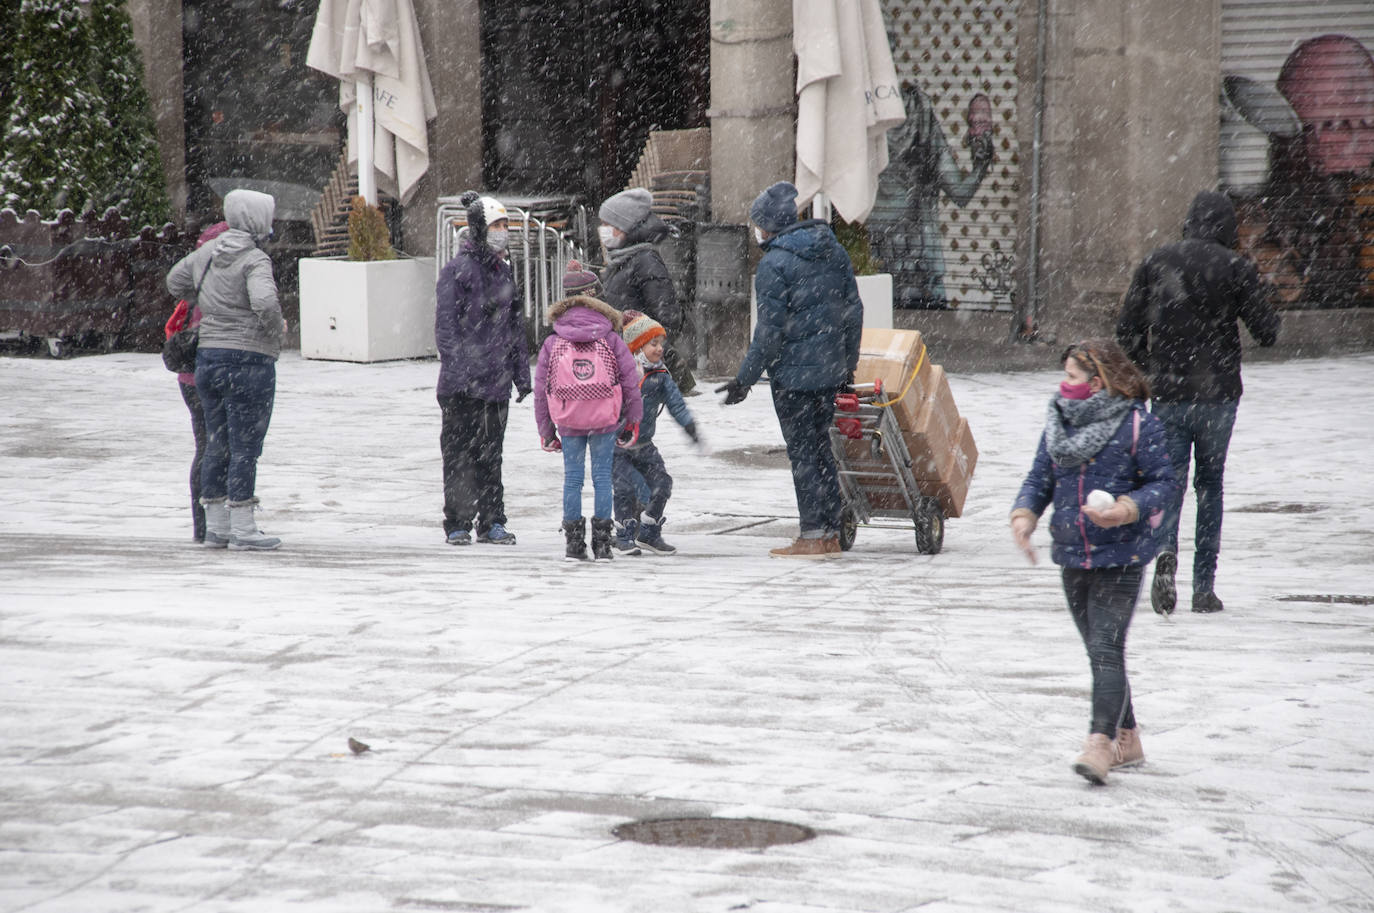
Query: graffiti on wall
x=1307 y=216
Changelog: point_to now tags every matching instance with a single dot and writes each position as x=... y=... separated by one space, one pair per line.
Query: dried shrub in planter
x=368 y=236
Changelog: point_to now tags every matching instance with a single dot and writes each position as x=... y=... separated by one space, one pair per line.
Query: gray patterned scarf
x=1094 y=420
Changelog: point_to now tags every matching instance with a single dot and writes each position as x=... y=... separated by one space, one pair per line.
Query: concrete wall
x=157 y=32
x=452 y=39
x=1130 y=134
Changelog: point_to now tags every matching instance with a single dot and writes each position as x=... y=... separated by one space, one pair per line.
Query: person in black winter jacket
x=636 y=278
x=1178 y=322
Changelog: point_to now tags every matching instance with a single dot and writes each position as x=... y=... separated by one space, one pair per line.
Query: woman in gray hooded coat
x=236 y=374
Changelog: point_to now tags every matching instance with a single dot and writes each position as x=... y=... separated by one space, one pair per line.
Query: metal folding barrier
x=539 y=251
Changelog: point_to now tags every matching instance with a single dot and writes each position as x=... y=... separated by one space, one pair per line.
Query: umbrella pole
x=367 y=177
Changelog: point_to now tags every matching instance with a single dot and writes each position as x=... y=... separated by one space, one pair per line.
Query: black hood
x=1212 y=217
x=650 y=229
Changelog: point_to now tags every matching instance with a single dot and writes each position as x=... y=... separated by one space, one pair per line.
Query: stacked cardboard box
x=943 y=454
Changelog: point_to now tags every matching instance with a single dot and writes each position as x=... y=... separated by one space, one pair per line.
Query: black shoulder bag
x=179 y=351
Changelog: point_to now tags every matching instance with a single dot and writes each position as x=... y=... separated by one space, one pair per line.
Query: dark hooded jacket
x=1179 y=318
x=809 y=313
x=479 y=327
x=637 y=279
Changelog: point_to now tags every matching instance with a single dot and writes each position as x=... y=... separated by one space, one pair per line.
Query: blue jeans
x=1102 y=601
x=1202 y=432
x=602 y=448
x=805 y=417
x=636 y=472
x=237 y=391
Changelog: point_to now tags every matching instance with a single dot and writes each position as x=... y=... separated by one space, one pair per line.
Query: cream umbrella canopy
x=373 y=48
x=847 y=100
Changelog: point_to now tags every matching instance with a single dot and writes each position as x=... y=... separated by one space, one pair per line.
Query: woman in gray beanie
x=636 y=277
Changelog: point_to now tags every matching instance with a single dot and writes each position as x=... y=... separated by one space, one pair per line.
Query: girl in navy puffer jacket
x=1099 y=436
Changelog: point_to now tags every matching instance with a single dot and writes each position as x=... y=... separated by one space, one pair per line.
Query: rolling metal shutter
x=954 y=50
x=1307 y=221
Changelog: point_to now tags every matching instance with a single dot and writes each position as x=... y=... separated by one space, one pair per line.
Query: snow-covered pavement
x=174 y=722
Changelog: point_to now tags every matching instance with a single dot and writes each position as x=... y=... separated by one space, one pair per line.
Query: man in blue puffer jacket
x=807 y=339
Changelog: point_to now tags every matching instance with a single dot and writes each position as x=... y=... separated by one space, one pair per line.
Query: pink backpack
x=584 y=385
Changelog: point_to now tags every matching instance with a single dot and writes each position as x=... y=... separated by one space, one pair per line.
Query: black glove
x=691 y=429
x=521 y=394
x=734 y=392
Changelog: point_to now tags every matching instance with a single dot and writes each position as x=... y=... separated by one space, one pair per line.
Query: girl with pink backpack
x=586 y=387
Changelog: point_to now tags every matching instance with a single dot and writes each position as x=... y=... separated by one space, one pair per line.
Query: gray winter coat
x=238 y=299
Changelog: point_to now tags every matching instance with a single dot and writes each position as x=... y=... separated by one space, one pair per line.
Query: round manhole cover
x=713 y=833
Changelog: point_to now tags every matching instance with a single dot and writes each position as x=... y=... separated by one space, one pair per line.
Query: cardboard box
x=952 y=488
x=894 y=356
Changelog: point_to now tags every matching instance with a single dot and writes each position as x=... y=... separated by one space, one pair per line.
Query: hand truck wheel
x=849 y=528
x=930 y=526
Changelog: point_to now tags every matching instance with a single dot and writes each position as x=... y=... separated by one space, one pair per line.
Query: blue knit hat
x=775 y=208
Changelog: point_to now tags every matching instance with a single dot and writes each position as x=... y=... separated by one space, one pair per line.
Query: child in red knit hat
x=640 y=466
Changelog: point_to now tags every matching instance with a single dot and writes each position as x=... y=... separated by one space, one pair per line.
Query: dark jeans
x=192 y=400
x=805 y=417
x=472 y=439
x=237 y=390
x=642 y=464
x=1202 y=432
x=1102 y=601
x=680 y=370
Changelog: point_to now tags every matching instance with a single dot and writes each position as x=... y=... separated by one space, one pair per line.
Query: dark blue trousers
x=1200 y=434
x=1102 y=601
x=641 y=464
x=237 y=391
x=806 y=417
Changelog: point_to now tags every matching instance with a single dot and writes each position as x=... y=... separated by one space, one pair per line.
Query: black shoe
x=1163 y=593
x=576 y=531
x=1206 y=602
x=603 y=531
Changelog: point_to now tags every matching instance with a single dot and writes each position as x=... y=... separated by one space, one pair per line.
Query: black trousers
x=192 y=400
x=471 y=440
x=1102 y=601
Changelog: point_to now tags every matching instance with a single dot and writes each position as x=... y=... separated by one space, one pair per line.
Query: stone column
x=451 y=31
x=157 y=32
x=753 y=102
x=1130 y=134
x=753 y=134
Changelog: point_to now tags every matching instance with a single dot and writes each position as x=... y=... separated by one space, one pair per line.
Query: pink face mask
x=1075 y=391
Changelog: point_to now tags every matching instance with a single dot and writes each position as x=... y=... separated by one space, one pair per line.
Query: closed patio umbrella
x=847 y=100
x=373 y=48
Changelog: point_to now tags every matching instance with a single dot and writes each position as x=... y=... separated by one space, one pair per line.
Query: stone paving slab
x=176 y=721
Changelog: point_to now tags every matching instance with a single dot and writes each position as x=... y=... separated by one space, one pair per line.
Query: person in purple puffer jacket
x=479 y=330
x=586 y=387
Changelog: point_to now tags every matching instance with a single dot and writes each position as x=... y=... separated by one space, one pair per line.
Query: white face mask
x=498 y=238
x=607 y=235
x=758 y=235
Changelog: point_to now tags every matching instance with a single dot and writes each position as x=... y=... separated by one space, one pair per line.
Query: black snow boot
x=576 y=531
x=603 y=532
x=1163 y=592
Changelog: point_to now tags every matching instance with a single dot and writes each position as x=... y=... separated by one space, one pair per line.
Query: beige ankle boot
x=1096 y=759
x=1128 y=750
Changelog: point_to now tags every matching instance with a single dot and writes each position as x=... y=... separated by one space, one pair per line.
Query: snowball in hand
x=1100 y=500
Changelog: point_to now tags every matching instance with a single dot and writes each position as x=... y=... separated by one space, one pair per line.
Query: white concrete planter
x=876 y=292
x=364 y=312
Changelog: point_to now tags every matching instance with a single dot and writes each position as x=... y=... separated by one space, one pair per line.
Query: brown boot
x=802 y=548
x=1096 y=759
x=1127 y=748
x=832 y=548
